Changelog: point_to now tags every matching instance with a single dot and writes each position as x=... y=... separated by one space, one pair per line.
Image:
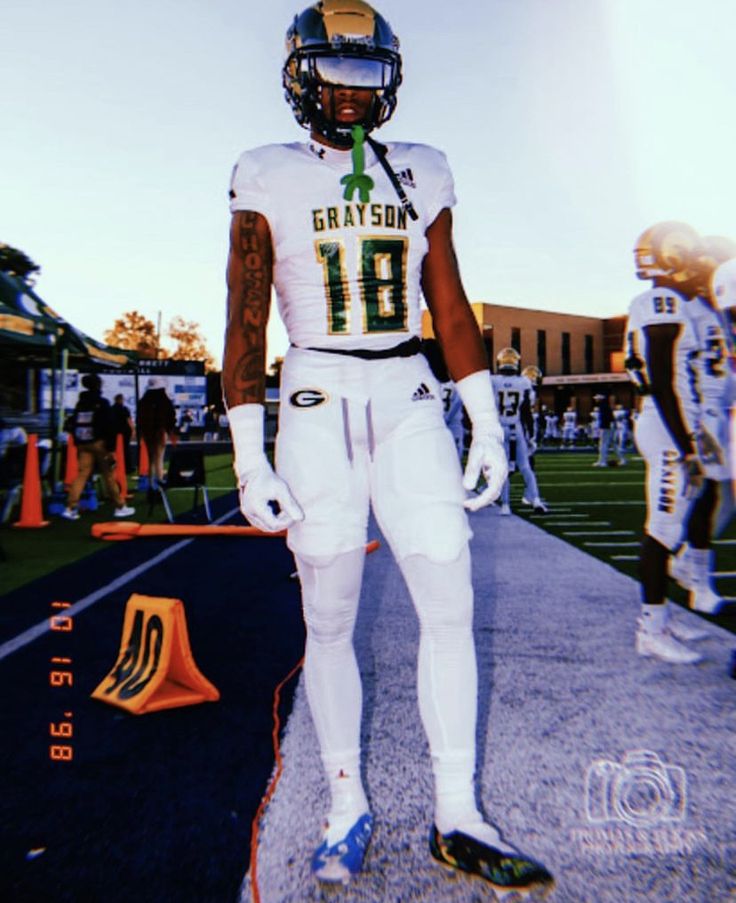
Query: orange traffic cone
x=72 y=463
x=143 y=464
x=31 y=513
x=121 y=478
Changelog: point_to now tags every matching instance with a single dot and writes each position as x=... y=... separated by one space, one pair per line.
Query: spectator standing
x=92 y=428
x=156 y=422
x=122 y=423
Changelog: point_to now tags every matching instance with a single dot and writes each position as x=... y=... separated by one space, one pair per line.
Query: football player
x=349 y=232
x=620 y=432
x=569 y=427
x=535 y=376
x=692 y=568
x=514 y=394
x=661 y=345
x=594 y=429
x=452 y=406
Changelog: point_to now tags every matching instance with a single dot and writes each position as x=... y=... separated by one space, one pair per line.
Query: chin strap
x=381 y=151
x=357 y=179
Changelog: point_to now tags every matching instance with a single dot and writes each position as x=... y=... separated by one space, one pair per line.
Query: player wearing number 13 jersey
x=349 y=232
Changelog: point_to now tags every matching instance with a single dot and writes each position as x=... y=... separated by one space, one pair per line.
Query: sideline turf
x=26 y=555
x=572 y=486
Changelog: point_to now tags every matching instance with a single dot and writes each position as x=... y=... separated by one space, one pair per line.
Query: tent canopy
x=27 y=319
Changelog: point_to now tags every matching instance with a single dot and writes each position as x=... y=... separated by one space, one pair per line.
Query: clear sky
x=570 y=125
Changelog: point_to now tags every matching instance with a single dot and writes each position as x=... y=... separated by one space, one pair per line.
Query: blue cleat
x=340 y=862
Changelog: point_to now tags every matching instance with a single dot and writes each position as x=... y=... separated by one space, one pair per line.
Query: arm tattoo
x=249 y=295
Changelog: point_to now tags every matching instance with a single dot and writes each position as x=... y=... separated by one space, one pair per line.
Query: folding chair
x=186 y=469
x=12 y=468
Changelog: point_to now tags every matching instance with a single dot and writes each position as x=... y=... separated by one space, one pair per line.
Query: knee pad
x=330 y=593
x=442 y=592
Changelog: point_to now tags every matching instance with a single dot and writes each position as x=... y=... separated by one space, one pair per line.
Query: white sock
x=654 y=617
x=348 y=799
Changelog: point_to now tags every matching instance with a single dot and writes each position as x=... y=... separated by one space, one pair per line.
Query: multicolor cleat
x=505 y=871
x=340 y=862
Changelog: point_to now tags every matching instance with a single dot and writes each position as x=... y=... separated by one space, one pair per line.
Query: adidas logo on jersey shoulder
x=422 y=393
x=406 y=177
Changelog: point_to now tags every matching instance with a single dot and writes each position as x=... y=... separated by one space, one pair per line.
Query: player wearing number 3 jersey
x=350 y=233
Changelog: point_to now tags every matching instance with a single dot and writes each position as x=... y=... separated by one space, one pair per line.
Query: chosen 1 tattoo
x=249 y=282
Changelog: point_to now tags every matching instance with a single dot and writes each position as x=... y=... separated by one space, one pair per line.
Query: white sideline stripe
x=598 y=483
x=724 y=574
x=564 y=523
x=616 y=545
x=591 y=523
x=594 y=503
x=624 y=557
x=724 y=542
x=599 y=533
x=33 y=633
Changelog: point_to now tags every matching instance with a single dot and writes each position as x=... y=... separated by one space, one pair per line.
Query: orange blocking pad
x=113 y=530
x=155 y=668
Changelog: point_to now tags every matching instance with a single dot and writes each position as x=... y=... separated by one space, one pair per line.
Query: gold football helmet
x=508 y=360
x=668 y=249
x=723 y=285
x=533 y=374
x=715 y=250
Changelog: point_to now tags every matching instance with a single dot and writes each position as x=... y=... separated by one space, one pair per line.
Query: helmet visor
x=352 y=71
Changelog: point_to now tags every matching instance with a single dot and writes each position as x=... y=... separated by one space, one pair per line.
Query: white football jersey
x=713 y=363
x=655 y=306
x=346 y=272
x=569 y=419
x=510 y=392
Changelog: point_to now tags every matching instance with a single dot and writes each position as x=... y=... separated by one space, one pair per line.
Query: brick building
x=579 y=356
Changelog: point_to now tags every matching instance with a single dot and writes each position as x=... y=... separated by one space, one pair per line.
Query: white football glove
x=486 y=456
x=709 y=450
x=265 y=499
x=694 y=475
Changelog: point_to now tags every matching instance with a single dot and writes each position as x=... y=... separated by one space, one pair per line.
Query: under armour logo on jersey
x=406 y=177
x=422 y=393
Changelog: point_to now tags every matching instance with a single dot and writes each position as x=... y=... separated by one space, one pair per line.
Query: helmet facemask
x=319 y=57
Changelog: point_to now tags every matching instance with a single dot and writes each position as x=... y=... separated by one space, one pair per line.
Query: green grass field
x=599 y=510
x=28 y=554
x=602 y=511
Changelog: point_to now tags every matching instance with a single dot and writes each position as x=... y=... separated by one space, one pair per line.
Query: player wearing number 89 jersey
x=661 y=358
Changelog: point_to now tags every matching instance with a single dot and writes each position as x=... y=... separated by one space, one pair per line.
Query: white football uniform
x=569 y=426
x=452 y=408
x=621 y=428
x=347 y=276
x=551 y=428
x=666 y=502
x=595 y=423
x=512 y=392
x=716 y=383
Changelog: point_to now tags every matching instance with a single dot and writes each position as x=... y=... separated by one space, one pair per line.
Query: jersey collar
x=336 y=158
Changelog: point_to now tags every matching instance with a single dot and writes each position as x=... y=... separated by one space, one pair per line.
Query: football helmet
x=723 y=285
x=508 y=360
x=533 y=374
x=715 y=250
x=667 y=250
x=345 y=43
